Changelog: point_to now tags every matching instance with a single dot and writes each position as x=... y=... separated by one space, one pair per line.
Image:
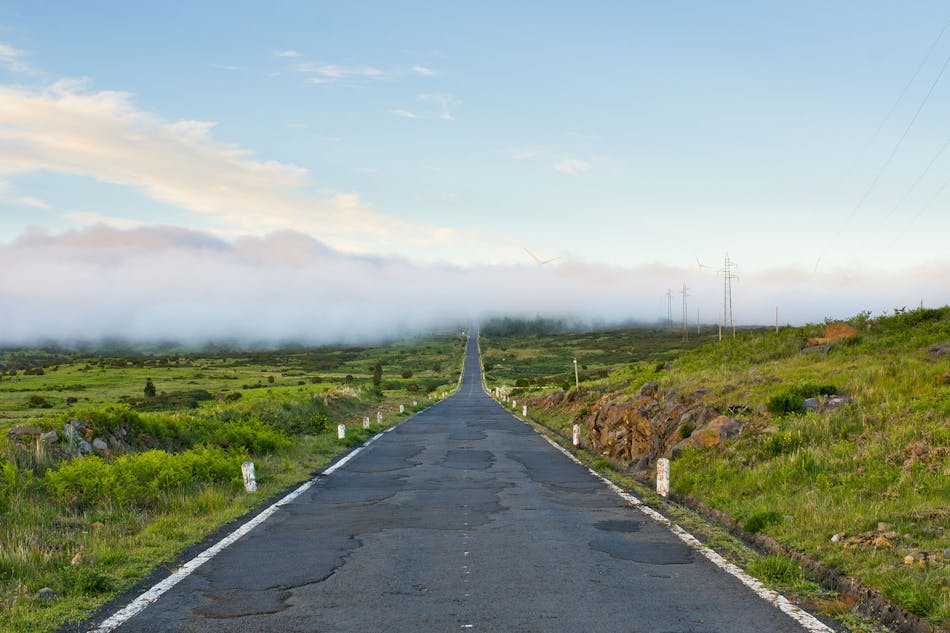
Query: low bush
x=139 y=480
x=761 y=520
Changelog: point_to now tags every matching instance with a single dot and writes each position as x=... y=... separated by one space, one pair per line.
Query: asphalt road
x=462 y=518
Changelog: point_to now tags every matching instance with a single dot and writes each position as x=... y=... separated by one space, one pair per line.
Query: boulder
x=24 y=432
x=49 y=436
x=100 y=445
x=84 y=447
x=940 y=349
x=834 y=402
x=46 y=594
x=649 y=389
x=811 y=404
x=712 y=434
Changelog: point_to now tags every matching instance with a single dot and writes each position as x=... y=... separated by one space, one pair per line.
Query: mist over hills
x=172 y=284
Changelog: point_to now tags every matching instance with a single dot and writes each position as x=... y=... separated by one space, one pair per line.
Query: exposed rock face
x=716 y=432
x=637 y=433
x=834 y=332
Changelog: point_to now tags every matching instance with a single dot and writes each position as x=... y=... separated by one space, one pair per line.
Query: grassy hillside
x=875 y=472
x=166 y=470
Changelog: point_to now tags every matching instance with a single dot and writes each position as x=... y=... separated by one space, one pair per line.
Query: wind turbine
x=537 y=260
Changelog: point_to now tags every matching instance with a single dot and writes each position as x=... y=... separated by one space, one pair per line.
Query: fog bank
x=166 y=283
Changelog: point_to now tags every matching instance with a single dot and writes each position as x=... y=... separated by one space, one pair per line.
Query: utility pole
x=727 y=276
x=719 y=321
x=685 y=293
x=669 y=308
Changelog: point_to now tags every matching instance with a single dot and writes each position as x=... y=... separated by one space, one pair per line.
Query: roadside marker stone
x=341 y=431
x=250 y=482
x=366 y=422
x=663 y=477
x=576 y=435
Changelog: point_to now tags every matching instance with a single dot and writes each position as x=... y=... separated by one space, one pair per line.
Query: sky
x=342 y=169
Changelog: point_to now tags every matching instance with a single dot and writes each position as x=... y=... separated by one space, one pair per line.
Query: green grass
x=89 y=528
x=800 y=477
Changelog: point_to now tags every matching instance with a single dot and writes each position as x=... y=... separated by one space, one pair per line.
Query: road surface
x=460 y=519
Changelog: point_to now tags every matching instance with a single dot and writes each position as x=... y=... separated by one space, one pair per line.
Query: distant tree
x=348 y=378
x=407 y=373
x=412 y=387
x=270 y=379
x=149 y=388
x=437 y=367
x=377 y=374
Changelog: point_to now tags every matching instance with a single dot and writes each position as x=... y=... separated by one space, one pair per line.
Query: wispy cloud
x=287 y=53
x=439 y=107
x=423 y=70
x=65 y=128
x=331 y=73
x=572 y=167
x=12 y=59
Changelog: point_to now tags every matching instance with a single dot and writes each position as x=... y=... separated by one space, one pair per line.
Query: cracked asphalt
x=460 y=519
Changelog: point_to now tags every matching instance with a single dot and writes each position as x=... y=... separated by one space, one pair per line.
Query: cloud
x=170 y=283
x=12 y=59
x=331 y=73
x=572 y=167
x=67 y=129
x=422 y=70
x=442 y=111
x=287 y=53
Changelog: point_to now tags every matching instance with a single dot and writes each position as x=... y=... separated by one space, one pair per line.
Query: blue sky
x=612 y=134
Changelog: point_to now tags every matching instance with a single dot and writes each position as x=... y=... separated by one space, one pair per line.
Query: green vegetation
x=874 y=470
x=165 y=470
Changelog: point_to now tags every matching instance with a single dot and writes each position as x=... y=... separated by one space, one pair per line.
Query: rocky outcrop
x=657 y=423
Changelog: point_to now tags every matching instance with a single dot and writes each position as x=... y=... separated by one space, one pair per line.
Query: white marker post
x=250 y=482
x=663 y=477
x=514 y=404
x=577 y=379
x=379 y=416
x=402 y=408
x=366 y=422
x=341 y=431
x=415 y=403
x=576 y=435
x=524 y=411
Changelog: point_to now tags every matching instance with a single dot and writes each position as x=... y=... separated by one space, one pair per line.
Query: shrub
x=759 y=521
x=149 y=390
x=786 y=402
x=39 y=402
x=522 y=383
x=686 y=430
x=8 y=480
x=412 y=387
x=407 y=374
x=139 y=480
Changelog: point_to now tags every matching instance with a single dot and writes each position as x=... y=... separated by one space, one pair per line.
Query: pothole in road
x=651 y=553
x=616 y=525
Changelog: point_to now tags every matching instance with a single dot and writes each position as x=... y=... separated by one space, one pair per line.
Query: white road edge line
x=139 y=604
x=807 y=620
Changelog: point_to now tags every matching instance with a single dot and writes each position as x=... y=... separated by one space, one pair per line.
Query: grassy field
x=875 y=472
x=88 y=528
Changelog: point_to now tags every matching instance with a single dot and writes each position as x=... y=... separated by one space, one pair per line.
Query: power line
x=685 y=293
x=727 y=276
x=917 y=181
x=894 y=150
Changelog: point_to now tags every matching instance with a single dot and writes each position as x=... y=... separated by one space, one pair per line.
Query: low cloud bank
x=165 y=283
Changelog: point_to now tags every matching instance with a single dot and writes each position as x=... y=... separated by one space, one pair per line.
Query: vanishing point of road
x=462 y=518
